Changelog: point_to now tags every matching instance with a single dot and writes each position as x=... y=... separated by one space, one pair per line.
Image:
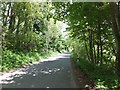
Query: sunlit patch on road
x=50 y=71
x=8 y=77
x=47 y=73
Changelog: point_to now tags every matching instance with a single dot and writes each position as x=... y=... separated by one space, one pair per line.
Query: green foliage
x=28 y=33
x=19 y=33
x=12 y=60
x=103 y=76
x=31 y=30
x=91 y=31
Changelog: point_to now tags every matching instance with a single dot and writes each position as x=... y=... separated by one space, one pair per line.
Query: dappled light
x=46 y=69
x=40 y=40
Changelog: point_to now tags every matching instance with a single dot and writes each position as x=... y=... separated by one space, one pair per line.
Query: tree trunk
x=91 y=45
x=12 y=20
x=116 y=29
x=8 y=11
x=94 y=51
x=101 y=52
x=98 y=43
x=17 y=35
x=87 y=50
x=86 y=47
x=95 y=55
x=98 y=53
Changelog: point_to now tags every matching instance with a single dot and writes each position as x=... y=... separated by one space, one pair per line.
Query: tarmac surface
x=53 y=72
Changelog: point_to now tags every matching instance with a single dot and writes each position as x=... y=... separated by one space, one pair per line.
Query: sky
x=64 y=26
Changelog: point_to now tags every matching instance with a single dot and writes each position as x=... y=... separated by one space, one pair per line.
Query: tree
x=116 y=30
x=90 y=23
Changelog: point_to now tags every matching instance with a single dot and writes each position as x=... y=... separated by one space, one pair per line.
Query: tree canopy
x=33 y=29
x=94 y=29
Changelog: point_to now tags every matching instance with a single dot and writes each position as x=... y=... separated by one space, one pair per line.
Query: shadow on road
x=53 y=72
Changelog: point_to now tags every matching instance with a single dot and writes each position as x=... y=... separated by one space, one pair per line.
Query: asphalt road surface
x=54 y=72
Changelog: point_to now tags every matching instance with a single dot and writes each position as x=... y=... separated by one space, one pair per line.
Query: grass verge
x=12 y=60
x=103 y=77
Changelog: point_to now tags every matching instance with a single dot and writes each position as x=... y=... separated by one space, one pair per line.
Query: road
x=54 y=72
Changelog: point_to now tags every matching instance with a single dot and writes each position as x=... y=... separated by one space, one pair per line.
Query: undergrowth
x=12 y=60
x=103 y=76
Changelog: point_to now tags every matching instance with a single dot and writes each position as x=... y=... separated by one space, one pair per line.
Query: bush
x=103 y=76
x=11 y=60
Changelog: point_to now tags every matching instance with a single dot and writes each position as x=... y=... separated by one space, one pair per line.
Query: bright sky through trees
x=64 y=26
x=32 y=29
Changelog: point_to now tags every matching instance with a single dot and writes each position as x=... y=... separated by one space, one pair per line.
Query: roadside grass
x=103 y=76
x=12 y=60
